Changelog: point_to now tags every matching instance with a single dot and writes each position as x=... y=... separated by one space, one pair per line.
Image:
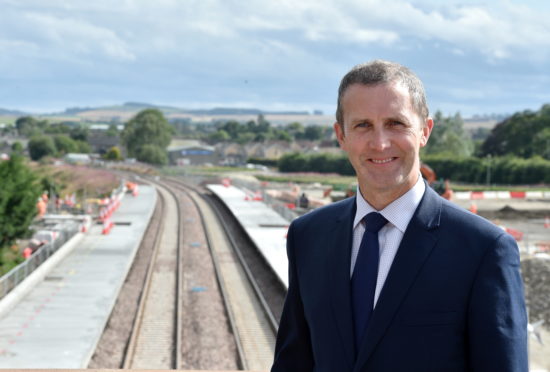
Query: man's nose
x=379 y=140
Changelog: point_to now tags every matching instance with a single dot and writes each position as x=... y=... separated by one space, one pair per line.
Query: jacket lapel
x=338 y=267
x=417 y=243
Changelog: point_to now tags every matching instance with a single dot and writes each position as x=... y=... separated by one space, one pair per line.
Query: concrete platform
x=266 y=228
x=59 y=322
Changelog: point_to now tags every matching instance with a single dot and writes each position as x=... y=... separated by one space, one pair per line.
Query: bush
x=40 y=146
x=266 y=162
x=322 y=163
x=152 y=154
x=65 y=144
x=503 y=170
x=113 y=154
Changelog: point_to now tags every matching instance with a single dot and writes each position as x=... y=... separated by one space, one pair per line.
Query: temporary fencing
x=16 y=275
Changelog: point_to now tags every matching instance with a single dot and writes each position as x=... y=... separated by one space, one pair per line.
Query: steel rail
x=130 y=351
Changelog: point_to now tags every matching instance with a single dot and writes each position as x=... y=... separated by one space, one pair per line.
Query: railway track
x=155 y=340
x=252 y=321
x=205 y=303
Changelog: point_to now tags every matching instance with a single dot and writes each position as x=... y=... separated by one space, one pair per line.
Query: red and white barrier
x=485 y=195
x=107 y=226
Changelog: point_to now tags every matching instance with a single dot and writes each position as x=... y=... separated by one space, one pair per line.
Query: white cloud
x=507 y=31
x=77 y=35
x=283 y=47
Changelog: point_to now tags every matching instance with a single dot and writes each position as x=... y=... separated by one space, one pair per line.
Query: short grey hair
x=383 y=72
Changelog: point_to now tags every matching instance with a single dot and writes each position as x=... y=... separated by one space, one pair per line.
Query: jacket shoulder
x=327 y=214
x=464 y=219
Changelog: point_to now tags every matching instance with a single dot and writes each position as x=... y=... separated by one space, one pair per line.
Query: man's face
x=382 y=134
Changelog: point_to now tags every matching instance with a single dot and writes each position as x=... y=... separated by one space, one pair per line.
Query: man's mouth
x=382 y=161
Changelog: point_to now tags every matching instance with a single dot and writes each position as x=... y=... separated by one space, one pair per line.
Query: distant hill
x=11 y=112
x=242 y=111
x=123 y=112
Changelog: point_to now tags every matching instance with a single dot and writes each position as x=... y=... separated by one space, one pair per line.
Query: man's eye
x=396 y=123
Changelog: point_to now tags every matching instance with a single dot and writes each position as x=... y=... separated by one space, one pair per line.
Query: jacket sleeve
x=497 y=319
x=293 y=348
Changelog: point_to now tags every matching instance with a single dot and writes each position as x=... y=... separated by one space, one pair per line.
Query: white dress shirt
x=398 y=213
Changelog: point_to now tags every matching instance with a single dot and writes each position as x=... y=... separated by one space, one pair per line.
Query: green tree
x=113 y=154
x=25 y=125
x=152 y=154
x=523 y=134
x=40 y=146
x=448 y=136
x=112 y=131
x=17 y=147
x=541 y=143
x=83 y=147
x=283 y=135
x=219 y=136
x=79 y=133
x=295 y=129
x=313 y=132
x=64 y=144
x=148 y=127
x=234 y=128
x=18 y=196
x=247 y=137
x=57 y=128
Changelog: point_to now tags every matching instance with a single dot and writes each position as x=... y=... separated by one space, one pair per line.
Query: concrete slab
x=266 y=228
x=59 y=322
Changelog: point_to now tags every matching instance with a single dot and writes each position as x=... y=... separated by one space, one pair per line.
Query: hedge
x=503 y=170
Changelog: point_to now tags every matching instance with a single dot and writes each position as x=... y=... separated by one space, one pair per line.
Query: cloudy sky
x=473 y=56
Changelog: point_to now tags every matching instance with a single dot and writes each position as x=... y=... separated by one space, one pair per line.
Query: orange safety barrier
x=27 y=252
x=518 y=235
x=107 y=226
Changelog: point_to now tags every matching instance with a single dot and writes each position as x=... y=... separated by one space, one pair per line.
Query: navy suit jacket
x=453 y=299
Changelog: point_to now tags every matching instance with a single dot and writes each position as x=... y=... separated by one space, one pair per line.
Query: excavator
x=440 y=186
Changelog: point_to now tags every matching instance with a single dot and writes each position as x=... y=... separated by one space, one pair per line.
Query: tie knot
x=374 y=222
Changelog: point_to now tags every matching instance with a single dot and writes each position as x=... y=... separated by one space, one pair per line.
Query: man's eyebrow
x=400 y=118
x=360 y=120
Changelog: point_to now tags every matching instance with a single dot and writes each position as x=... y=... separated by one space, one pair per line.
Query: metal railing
x=277 y=205
x=19 y=273
x=254 y=186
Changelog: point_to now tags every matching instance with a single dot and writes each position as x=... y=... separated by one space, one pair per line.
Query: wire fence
x=19 y=273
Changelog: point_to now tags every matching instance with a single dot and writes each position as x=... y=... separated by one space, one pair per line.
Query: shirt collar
x=399 y=212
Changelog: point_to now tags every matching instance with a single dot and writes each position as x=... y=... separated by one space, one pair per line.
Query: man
x=446 y=292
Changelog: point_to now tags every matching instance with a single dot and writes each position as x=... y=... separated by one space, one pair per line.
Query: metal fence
x=278 y=206
x=16 y=275
x=254 y=186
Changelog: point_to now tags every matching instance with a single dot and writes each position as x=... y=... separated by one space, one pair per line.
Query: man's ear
x=426 y=131
x=339 y=130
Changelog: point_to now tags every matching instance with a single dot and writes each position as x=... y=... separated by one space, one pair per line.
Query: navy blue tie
x=365 y=272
